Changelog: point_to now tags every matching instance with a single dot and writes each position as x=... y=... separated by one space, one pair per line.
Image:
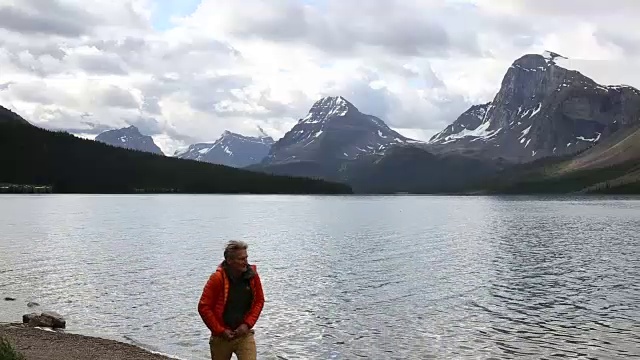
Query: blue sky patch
x=164 y=10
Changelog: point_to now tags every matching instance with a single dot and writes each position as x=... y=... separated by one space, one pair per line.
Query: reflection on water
x=344 y=277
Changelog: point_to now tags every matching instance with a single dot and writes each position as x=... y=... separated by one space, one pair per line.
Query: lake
x=345 y=277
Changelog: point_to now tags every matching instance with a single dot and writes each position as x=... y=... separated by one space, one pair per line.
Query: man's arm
x=212 y=291
x=258 y=303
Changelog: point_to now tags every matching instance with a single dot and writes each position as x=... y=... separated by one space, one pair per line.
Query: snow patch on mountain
x=471 y=123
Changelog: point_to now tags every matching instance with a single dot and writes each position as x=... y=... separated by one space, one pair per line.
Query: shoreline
x=39 y=344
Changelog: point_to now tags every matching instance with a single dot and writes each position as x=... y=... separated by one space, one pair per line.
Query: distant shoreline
x=586 y=195
x=37 y=343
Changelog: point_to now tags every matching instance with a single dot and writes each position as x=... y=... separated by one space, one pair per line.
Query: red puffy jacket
x=214 y=298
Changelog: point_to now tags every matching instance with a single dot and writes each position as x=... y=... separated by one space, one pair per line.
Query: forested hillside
x=31 y=155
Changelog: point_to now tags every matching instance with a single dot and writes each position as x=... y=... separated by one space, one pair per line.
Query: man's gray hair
x=233 y=246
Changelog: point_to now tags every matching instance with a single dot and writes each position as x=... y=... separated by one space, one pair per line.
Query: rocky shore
x=41 y=336
x=37 y=343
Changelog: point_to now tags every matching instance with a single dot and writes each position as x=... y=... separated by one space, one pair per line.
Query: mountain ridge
x=129 y=138
x=542 y=109
x=70 y=164
x=333 y=130
x=230 y=149
x=547 y=129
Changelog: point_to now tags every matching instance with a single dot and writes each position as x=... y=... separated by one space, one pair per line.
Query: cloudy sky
x=183 y=71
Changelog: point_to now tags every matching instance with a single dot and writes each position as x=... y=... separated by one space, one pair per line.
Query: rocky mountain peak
x=334 y=130
x=332 y=102
x=467 y=124
x=232 y=136
x=132 y=129
x=527 y=86
x=533 y=62
x=230 y=149
x=542 y=109
x=130 y=138
x=328 y=107
x=538 y=62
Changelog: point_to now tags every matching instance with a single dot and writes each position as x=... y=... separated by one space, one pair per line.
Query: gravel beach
x=38 y=344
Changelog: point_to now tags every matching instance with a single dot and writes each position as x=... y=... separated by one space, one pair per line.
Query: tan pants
x=244 y=347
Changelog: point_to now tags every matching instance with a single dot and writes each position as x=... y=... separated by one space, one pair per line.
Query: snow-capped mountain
x=130 y=138
x=230 y=149
x=467 y=124
x=542 y=109
x=334 y=130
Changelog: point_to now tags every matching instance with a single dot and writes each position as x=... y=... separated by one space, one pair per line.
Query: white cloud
x=91 y=65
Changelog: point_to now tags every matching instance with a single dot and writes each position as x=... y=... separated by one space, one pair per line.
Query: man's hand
x=228 y=334
x=242 y=330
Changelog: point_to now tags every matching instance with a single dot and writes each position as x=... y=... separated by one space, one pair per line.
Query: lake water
x=404 y=277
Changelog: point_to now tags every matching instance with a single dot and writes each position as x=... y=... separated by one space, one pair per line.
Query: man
x=231 y=303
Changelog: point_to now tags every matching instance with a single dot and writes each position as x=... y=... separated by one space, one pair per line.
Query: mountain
x=467 y=124
x=541 y=110
x=619 y=148
x=8 y=116
x=230 y=149
x=335 y=141
x=610 y=166
x=549 y=177
x=35 y=156
x=333 y=132
x=129 y=138
x=615 y=161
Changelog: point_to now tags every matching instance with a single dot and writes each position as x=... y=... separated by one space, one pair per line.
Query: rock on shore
x=49 y=319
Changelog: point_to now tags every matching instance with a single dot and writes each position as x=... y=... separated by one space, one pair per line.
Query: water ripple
x=345 y=277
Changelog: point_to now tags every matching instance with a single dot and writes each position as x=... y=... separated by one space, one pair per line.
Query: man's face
x=238 y=260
